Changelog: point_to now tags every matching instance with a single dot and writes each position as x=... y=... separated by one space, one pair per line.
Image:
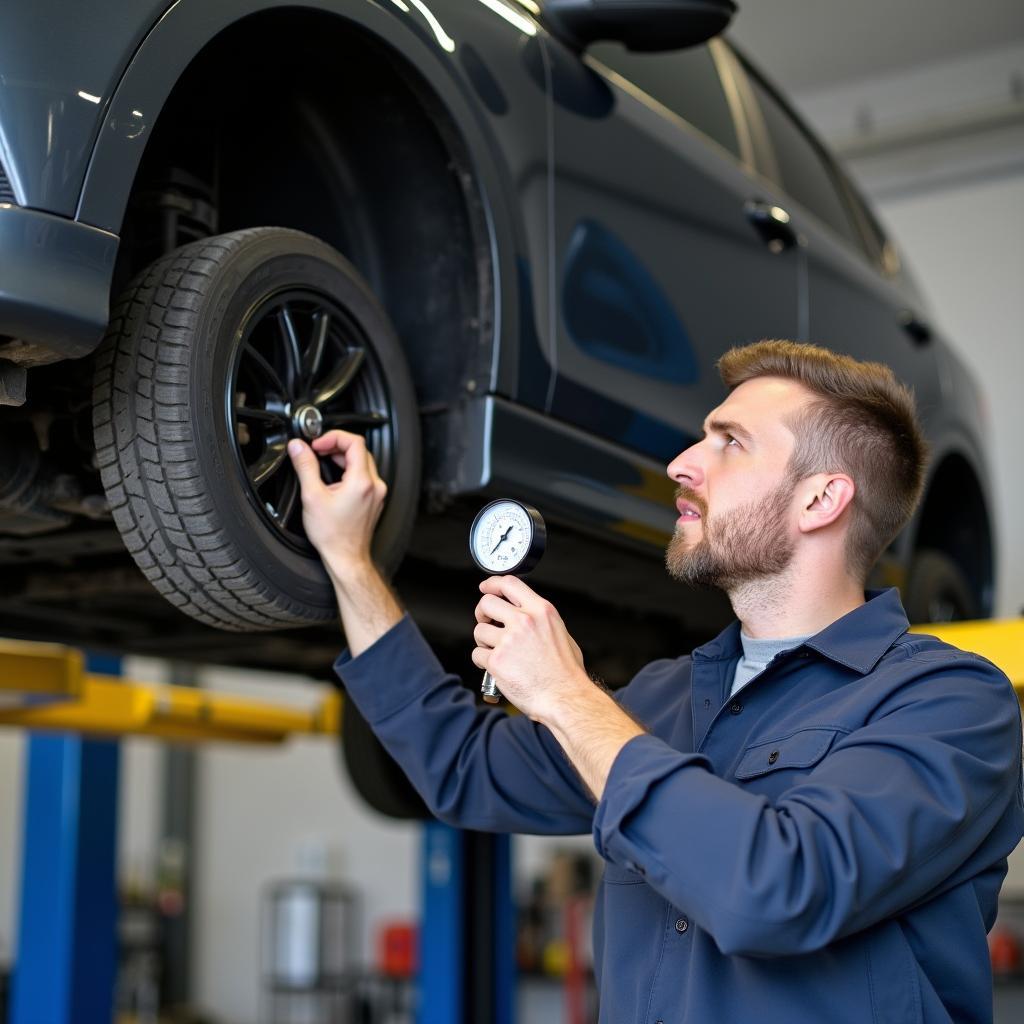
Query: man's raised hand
x=339 y=518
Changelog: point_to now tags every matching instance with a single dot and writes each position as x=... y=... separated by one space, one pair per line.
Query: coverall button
x=681 y=925
x=735 y=707
x=773 y=757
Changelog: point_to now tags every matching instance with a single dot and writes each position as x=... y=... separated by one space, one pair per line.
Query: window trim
x=656 y=105
x=881 y=249
x=725 y=68
x=762 y=154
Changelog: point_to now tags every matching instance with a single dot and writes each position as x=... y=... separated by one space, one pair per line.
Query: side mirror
x=637 y=24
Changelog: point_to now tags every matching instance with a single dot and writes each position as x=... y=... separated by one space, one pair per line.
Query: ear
x=823 y=499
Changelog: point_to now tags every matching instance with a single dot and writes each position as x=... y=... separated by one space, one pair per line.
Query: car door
x=663 y=255
x=856 y=303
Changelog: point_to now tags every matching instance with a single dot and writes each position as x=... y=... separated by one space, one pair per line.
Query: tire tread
x=148 y=457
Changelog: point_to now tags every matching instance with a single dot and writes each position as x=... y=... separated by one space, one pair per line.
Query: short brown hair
x=864 y=423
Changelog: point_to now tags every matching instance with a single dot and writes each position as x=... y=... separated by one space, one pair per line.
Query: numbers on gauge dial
x=502 y=537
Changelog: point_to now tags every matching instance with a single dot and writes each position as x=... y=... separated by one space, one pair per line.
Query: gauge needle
x=504 y=537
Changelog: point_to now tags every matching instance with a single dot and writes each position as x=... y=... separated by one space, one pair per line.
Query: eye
x=730 y=440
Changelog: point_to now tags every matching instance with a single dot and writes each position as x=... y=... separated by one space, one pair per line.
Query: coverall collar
x=857 y=640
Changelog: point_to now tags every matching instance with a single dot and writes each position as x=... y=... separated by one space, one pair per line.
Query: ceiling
x=807 y=44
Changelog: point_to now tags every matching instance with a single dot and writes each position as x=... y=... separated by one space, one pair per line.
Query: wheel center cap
x=308 y=421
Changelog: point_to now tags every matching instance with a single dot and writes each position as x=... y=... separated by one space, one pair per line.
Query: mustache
x=686 y=494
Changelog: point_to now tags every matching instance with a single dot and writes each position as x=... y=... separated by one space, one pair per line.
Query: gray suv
x=507 y=240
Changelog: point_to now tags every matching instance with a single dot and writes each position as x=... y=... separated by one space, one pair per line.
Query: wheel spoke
x=268 y=371
x=303 y=356
x=314 y=355
x=345 y=420
x=291 y=346
x=247 y=412
x=269 y=462
x=341 y=378
x=286 y=506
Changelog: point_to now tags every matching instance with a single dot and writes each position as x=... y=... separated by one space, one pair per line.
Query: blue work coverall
x=825 y=846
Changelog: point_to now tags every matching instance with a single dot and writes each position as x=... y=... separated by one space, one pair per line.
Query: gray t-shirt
x=757 y=654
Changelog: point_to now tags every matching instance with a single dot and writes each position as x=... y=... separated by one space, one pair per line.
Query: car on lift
x=506 y=240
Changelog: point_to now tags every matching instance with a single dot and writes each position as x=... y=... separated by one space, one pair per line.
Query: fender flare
x=168 y=49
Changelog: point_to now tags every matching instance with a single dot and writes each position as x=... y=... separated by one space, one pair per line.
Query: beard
x=737 y=547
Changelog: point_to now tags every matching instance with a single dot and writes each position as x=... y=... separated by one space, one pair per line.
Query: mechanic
x=807 y=819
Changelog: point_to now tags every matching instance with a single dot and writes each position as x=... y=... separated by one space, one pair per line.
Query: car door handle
x=772 y=223
x=918 y=330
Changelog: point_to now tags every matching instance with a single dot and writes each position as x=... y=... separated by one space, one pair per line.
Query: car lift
x=66 y=942
x=75 y=709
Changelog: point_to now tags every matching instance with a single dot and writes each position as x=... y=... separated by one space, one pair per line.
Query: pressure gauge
x=507 y=538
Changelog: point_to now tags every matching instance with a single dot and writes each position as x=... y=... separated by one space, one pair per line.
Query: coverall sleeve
x=889 y=816
x=476 y=768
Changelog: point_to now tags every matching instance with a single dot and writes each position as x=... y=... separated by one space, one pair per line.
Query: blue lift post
x=67 y=935
x=467 y=933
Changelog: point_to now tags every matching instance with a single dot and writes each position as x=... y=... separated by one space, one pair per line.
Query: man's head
x=810 y=450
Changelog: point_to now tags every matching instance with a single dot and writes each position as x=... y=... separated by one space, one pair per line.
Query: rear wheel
x=376 y=775
x=216 y=356
x=938 y=591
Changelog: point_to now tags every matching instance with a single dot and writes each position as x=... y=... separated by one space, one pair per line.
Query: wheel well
x=965 y=535
x=301 y=119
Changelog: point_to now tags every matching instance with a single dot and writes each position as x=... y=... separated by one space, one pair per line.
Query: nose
x=686 y=467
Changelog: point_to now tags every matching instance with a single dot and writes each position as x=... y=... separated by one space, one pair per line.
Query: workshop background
x=924 y=102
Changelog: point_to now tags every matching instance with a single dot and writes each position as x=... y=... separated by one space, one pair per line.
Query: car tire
x=375 y=774
x=213 y=357
x=938 y=591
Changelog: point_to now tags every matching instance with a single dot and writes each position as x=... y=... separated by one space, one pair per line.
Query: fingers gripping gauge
x=507 y=538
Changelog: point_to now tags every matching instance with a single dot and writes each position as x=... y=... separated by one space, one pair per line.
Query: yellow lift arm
x=46 y=686
x=999 y=640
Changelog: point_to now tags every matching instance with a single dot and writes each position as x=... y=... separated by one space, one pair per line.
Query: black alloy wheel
x=302 y=367
x=216 y=356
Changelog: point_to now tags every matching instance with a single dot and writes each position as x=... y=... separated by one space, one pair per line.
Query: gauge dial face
x=502 y=537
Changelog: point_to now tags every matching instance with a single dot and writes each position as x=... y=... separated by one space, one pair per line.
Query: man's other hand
x=522 y=640
x=339 y=518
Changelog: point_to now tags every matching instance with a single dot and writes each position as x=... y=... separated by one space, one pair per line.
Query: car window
x=879 y=247
x=685 y=81
x=803 y=171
